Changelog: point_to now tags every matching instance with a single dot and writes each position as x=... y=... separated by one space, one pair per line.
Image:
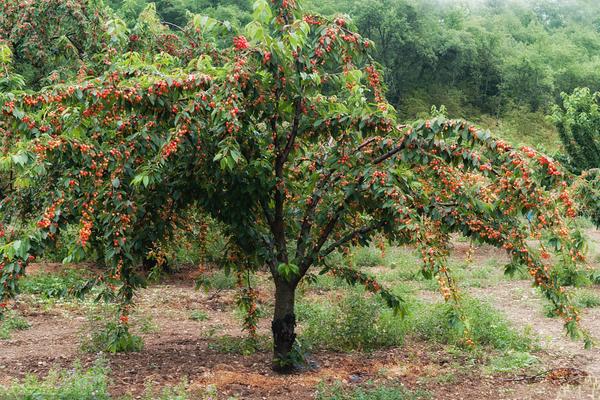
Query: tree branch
x=357 y=232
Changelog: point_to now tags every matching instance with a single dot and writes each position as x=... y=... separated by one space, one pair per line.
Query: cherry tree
x=283 y=134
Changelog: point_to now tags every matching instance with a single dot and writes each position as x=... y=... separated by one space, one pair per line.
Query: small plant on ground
x=586 y=298
x=177 y=392
x=511 y=361
x=113 y=337
x=145 y=324
x=198 y=315
x=219 y=280
x=12 y=321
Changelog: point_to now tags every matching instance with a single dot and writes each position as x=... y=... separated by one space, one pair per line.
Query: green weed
x=512 y=361
x=338 y=392
x=586 y=298
x=10 y=322
x=357 y=322
x=198 y=315
x=219 y=280
x=487 y=327
x=111 y=337
x=367 y=257
x=53 y=286
x=145 y=323
x=74 y=384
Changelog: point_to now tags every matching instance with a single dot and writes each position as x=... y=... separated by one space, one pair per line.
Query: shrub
x=114 y=337
x=74 y=384
x=441 y=322
x=367 y=257
x=356 y=322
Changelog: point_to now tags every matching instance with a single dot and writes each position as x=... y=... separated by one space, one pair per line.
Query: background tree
x=49 y=39
x=578 y=122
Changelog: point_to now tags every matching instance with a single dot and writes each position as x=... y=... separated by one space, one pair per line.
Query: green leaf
x=288 y=271
x=20 y=159
x=255 y=31
x=5 y=54
x=262 y=11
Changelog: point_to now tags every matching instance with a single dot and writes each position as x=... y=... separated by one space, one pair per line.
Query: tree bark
x=283 y=326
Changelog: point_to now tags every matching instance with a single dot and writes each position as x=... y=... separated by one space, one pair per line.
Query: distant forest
x=479 y=57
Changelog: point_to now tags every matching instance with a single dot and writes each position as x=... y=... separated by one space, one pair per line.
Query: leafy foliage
x=53 y=286
x=51 y=39
x=353 y=323
x=577 y=120
x=113 y=337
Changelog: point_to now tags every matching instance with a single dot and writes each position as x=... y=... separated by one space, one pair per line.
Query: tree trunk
x=283 y=325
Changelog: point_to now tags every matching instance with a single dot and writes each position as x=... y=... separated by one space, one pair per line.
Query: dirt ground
x=178 y=347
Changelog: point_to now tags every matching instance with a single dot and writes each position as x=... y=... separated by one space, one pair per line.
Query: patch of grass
x=177 y=392
x=367 y=257
x=357 y=322
x=488 y=327
x=403 y=263
x=541 y=132
x=145 y=323
x=218 y=280
x=53 y=286
x=181 y=391
x=479 y=276
x=198 y=315
x=239 y=345
x=338 y=392
x=511 y=361
x=595 y=275
x=585 y=298
x=327 y=282
x=74 y=384
x=11 y=322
